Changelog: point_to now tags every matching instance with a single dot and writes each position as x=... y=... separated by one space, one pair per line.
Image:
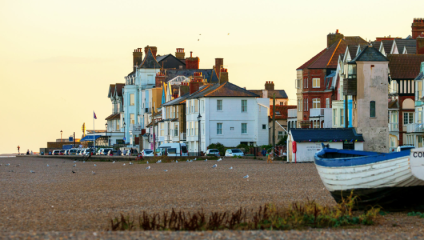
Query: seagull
x=165 y=170
x=131 y=163
x=187 y=160
x=159 y=161
x=206 y=160
x=18 y=165
x=219 y=160
x=47 y=165
x=176 y=161
x=75 y=165
x=73 y=171
x=8 y=164
x=214 y=166
x=148 y=167
x=83 y=162
x=92 y=172
x=191 y=160
x=31 y=171
x=75 y=161
x=124 y=164
x=147 y=162
x=113 y=161
x=247 y=176
x=195 y=159
x=231 y=168
x=95 y=165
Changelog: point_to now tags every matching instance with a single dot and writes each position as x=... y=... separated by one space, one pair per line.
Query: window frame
x=132 y=99
x=244 y=127
x=372 y=109
x=245 y=107
x=219 y=105
x=316 y=102
x=316 y=82
x=219 y=128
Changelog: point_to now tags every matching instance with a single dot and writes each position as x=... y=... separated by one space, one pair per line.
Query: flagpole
x=94 y=131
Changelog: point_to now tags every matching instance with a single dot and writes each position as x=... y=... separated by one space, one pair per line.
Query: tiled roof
x=149 y=61
x=176 y=101
x=354 y=40
x=229 y=90
x=330 y=57
x=312 y=60
x=282 y=111
x=119 y=87
x=405 y=66
x=325 y=135
x=206 y=73
x=387 y=45
x=409 y=44
x=369 y=54
x=113 y=116
x=278 y=93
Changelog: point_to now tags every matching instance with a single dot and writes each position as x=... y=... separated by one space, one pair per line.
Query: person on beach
x=263 y=152
x=27 y=153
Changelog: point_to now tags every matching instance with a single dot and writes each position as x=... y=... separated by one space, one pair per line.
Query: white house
x=309 y=141
x=114 y=131
x=228 y=114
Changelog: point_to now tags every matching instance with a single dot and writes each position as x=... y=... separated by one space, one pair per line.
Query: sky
x=57 y=58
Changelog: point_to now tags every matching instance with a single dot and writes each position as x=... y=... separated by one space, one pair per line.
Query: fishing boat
x=390 y=180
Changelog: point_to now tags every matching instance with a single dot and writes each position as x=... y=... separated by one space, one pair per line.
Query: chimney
x=152 y=48
x=184 y=88
x=224 y=76
x=180 y=53
x=191 y=62
x=269 y=85
x=219 y=63
x=196 y=82
x=137 y=57
x=420 y=45
x=159 y=79
x=334 y=37
x=417 y=27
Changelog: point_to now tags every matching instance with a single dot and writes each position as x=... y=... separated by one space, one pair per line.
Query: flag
x=94 y=115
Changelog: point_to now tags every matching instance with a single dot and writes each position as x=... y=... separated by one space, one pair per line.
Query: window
x=349 y=145
x=243 y=105
x=203 y=128
x=196 y=129
x=316 y=124
x=315 y=82
x=219 y=105
x=305 y=104
x=419 y=115
x=162 y=130
x=117 y=124
x=280 y=134
x=334 y=116
x=298 y=84
x=219 y=128
x=408 y=118
x=196 y=105
x=231 y=128
x=305 y=83
x=176 y=129
x=202 y=106
x=299 y=109
x=131 y=99
x=341 y=117
x=418 y=90
x=192 y=105
x=190 y=133
x=372 y=109
x=316 y=103
x=188 y=107
x=264 y=126
x=244 y=128
x=327 y=103
x=132 y=120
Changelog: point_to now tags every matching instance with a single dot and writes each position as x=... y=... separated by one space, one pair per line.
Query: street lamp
x=198 y=119
x=61 y=135
x=106 y=135
x=125 y=140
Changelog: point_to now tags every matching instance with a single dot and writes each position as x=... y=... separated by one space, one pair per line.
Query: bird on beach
x=47 y=165
x=206 y=160
x=113 y=161
x=247 y=176
x=214 y=166
x=187 y=160
x=148 y=167
x=159 y=161
x=165 y=170
x=176 y=161
x=73 y=171
x=123 y=164
x=195 y=159
x=75 y=165
x=131 y=163
x=18 y=165
x=8 y=164
x=95 y=165
x=231 y=168
x=92 y=172
x=31 y=171
x=75 y=161
x=219 y=160
x=83 y=162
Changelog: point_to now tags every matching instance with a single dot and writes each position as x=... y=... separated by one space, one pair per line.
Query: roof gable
x=111 y=91
x=329 y=58
x=370 y=54
x=149 y=61
x=405 y=66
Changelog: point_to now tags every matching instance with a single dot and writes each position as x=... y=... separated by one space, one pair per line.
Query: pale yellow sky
x=58 y=58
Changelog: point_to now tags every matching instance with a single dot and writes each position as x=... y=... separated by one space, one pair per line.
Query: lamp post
x=125 y=140
x=61 y=135
x=106 y=135
x=198 y=119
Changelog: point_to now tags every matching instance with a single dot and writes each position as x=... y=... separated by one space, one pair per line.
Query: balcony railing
x=350 y=85
x=182 y=136
x=292 y=113
x=305 y=124
x=316 y=112
x=393 y=127
x=414 y=127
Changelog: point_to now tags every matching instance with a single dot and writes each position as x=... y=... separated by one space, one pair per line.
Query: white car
x=147 y=153
x=234 y=152
x=212 y=152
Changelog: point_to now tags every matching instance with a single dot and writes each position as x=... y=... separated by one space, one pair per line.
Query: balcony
x=350 y=85
x=305 y=124
x=292 y=113
x=393 y=127
x=316 y=112
x=414 y=128
x=182 y=136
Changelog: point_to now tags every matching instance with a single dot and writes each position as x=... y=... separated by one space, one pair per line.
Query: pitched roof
x=159 y=59
x=149 y=61
x=325 y=135
x=282 y=111
x=409 y=44
x=350 y=40
x=369 y=54
x=111 y=90
x=224 y=90
x=405 y=66
x=329 y=58
x=113 y=116
x=312 y=60
x=206 y=73
x=387 y=45
x=278 y=93
x=118 y=88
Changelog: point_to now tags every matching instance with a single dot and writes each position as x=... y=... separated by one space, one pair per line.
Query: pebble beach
x=40 y=201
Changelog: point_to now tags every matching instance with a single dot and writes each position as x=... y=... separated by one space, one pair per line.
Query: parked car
x=173 y=149
x=62 y=152
x=87 y=151
x=147 y=153
x=105 y=151
x=212 y=152
x=55 y=152
x=233 y=152
x=73 y=151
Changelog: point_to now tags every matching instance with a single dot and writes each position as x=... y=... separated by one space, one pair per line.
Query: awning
x=90 y=138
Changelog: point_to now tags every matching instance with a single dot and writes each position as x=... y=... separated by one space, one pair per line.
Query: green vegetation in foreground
x=269 y=217
x=418 y=214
